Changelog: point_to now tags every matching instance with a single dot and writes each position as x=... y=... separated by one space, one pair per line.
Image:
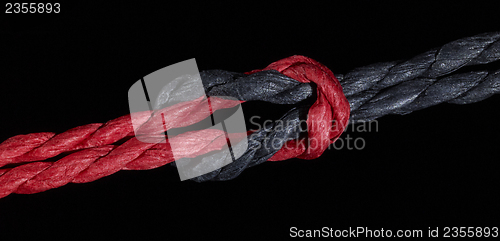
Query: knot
x=98 y=150
x=328 y=116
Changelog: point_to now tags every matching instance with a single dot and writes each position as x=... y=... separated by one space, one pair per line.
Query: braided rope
x=327 y=119
x=401 y=87
x=398 y=87
x=41 y=146
x=90 y=164
x=94 y=157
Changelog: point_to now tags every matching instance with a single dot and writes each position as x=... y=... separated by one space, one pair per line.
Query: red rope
x=92 y=154
x=328 y=116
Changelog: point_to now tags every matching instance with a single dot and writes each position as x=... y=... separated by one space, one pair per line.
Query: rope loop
x=328 y=116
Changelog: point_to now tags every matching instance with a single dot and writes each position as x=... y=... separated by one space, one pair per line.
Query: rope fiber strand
x=459 y=72
x=401 y=87
x=91 y=148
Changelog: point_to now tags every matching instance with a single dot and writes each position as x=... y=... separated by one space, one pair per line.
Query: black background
x=434 y=167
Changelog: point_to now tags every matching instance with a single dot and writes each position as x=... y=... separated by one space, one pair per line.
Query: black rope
x=270 y=86
x=399 y=87
x=262 y=145
x=433 y=77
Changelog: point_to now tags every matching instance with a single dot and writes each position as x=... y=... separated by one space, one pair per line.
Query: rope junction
x=458 y=72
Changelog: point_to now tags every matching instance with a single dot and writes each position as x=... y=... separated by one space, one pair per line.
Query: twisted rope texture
x=401 y=87
x=96 y=158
